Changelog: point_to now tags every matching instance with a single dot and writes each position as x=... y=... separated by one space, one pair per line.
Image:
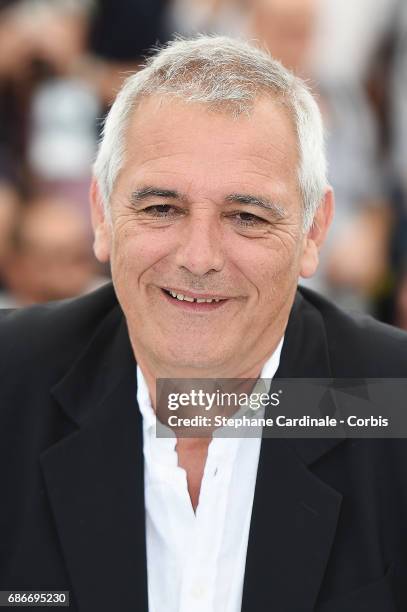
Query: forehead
x=175 y=141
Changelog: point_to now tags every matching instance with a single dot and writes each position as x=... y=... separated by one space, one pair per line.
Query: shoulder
x=51 y=332
x=359 y=343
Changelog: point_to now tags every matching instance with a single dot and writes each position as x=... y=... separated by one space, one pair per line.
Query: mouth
x=194 y=301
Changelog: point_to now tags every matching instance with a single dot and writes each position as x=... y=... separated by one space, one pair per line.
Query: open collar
x=95 y=481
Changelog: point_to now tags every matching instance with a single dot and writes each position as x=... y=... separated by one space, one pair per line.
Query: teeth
x=181 y=297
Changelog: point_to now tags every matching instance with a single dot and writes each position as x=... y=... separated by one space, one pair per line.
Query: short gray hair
x=226 y=73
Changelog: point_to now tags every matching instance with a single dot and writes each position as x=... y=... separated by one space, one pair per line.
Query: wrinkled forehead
x=266 y=123
x=174 y=144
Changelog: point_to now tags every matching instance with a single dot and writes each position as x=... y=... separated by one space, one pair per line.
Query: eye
x=247 y=219
x=161 y=210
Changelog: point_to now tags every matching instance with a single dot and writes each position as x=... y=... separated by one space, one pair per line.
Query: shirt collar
x=143 y=397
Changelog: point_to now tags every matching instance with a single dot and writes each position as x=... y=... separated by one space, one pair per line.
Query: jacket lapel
x=95 y=484
x=94 y=476
x=294 y=513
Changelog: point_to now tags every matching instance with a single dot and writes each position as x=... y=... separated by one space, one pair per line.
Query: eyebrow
x=145 y=193
x=241 y=198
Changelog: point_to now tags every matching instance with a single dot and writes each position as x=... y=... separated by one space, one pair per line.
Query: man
x=209 y=200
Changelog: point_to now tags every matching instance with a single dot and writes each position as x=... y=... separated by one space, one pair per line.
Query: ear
x=317 y=234
x=101 y=225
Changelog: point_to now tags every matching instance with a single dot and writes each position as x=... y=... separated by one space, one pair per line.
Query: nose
x=201 y=245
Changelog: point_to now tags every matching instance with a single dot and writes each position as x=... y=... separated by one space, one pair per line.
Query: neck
x=153 y=369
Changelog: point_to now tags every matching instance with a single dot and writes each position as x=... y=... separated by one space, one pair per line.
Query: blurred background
x=62 y=61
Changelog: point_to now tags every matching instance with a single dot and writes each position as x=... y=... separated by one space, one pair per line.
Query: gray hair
x=224 y=73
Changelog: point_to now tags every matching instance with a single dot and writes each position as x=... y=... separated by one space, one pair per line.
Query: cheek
x=135 y=253
x=268 y=266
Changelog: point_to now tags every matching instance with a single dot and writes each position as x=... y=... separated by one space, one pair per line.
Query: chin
x=208 y=360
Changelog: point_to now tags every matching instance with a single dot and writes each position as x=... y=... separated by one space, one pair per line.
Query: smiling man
x=210 y=201
x=207 y=205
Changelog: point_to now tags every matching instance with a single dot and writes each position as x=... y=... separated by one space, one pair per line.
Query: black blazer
x=329 y=523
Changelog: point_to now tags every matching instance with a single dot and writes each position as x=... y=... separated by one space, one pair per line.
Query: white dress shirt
x=196 y=561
